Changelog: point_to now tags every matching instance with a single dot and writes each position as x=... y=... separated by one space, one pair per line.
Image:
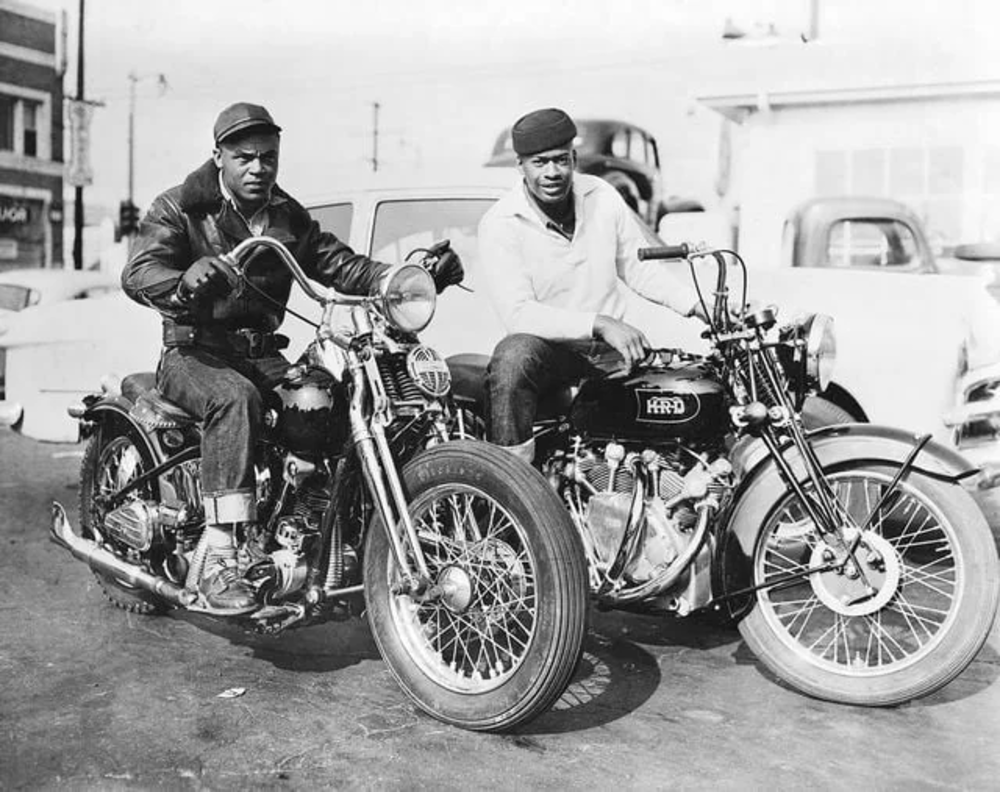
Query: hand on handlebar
x=208 y=275
x=630 y=342
x=444 y=265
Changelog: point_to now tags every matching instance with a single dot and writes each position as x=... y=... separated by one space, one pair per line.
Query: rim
x=882 y=614
x=476 y=634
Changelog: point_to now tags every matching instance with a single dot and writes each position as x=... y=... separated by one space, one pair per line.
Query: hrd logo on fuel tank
x=658 y=407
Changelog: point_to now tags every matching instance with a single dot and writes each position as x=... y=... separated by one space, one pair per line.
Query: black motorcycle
x=859 y=567
x=473 y=577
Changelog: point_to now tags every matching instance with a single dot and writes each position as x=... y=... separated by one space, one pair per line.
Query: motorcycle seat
x=149 y=407
x=468 y=382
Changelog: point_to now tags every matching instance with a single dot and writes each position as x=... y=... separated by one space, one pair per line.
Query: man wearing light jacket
x=554 y=252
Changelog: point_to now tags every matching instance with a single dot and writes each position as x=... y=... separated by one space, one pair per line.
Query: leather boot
x=223 y=588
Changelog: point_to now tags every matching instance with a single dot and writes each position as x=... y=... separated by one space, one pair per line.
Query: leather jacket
x=193 y=220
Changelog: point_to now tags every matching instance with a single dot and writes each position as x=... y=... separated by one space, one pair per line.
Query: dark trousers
x=223 y=390
x=525 y=368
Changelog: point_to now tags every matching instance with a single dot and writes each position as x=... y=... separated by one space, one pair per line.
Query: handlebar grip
x=683 y=250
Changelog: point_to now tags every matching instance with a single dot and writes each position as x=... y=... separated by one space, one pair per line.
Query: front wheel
x=900 y=618
x=496 y=637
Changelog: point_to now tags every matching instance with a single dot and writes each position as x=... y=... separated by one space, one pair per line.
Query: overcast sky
x=448 y=74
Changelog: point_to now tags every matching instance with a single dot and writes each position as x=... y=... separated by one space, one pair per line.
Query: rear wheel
x=115 y=456
x=495 y=638
x=900 y=618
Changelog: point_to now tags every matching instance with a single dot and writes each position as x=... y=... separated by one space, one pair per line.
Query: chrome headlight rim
x=408 y=297
x=820 y=353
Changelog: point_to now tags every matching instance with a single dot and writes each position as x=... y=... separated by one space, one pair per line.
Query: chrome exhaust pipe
x=100 y=560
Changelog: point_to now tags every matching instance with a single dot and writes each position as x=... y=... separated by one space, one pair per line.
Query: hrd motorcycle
x=859 y=568
x=473 y=578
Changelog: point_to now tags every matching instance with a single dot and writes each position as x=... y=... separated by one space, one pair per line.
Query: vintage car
x=621 y=153
x=22 y=289
x=904 y=342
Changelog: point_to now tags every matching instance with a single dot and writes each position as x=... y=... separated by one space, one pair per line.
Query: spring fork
x=379 y=467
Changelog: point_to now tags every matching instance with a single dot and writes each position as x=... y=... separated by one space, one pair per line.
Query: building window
x=19 y=125
x=30 y=129
x=6 y=123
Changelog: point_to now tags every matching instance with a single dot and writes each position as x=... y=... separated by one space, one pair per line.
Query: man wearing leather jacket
x=220 y=346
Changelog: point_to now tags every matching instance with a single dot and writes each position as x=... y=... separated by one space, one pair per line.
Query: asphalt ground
x=92 y=697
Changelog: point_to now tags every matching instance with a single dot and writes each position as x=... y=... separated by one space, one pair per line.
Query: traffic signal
x=128 y=218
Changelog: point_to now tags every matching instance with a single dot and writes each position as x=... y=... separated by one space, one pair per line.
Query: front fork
x=379 y=468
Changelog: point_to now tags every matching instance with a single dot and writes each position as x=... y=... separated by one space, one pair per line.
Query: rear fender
x=763 y=485
x=117 y=408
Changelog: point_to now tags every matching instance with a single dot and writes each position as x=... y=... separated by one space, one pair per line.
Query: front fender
x=763 y=486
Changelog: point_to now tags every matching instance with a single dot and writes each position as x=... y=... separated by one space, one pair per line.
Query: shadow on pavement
x=329 y=646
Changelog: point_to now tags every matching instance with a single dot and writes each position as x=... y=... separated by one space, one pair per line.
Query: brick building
x=31 y=137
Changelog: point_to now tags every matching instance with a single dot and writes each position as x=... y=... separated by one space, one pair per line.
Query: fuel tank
x=681 y=400
x=310 y=412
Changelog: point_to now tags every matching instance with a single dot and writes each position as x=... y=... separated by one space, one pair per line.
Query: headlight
x=409 y=297
x=820 y=351
x=808 y=353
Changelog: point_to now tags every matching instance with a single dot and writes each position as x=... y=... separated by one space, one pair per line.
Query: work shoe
x=224 y=590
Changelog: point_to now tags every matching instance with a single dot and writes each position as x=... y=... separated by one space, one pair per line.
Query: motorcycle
x=857 y=565
x=472 y=576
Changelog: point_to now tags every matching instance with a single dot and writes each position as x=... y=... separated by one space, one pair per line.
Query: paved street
x=95 y=698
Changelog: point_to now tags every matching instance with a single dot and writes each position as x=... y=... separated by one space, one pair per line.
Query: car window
x=15 y=298
x=871 y=243
x=403 y=226
x=619 y=144
x=335 y=218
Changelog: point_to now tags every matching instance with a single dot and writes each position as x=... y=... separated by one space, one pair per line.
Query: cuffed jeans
x=223 y=391
x=525 y=368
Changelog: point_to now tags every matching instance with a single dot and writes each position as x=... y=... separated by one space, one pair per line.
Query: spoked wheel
x=494 y=639
x=114 y=457
x=897 y=618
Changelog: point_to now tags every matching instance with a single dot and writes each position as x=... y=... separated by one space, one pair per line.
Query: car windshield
x=15 y=298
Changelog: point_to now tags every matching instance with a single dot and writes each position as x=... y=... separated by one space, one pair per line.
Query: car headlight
x=820 y=351
x=409 y=297
x=809 y=353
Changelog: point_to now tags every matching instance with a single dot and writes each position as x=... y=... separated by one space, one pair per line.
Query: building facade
x=31 y=138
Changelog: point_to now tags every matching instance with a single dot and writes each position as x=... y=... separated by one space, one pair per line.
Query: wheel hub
x=456 y=588
x=862 y=585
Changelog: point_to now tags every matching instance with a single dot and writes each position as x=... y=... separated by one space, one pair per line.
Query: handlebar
x=235 y=256
x=681 y=251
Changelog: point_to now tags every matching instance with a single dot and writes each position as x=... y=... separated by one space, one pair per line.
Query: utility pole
x=132 y=80
x=375 y=107
x=78 y=202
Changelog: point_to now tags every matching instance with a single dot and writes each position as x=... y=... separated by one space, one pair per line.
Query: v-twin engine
x=643 y=515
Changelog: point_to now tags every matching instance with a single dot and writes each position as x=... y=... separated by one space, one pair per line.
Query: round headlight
x=409 y=297
x=820 y=351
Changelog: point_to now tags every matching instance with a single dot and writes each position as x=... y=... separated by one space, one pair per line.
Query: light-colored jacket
x=542 y=283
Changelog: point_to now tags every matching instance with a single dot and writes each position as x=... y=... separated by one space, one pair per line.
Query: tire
x=500 y=646
x=115 y=455
x=818 y=412
x=935 y=601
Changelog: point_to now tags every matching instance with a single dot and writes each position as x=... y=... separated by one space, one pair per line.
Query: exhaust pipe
x=100 y=560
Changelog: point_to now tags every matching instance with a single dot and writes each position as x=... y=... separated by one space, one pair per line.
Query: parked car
x=620 y=152
x=895 y=365
x=22 y=289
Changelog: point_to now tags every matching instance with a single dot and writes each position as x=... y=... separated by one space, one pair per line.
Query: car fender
x=763 y=485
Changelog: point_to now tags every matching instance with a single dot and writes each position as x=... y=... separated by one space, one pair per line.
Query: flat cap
x=541 y=130
x=240 y=117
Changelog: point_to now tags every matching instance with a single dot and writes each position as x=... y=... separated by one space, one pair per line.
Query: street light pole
x=78 y=198
x=133 y=79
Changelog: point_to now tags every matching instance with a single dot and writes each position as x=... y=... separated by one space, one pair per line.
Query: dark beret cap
x=242 y=116
x=541 y=130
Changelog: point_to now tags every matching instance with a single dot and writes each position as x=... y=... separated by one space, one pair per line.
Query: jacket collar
x=200 y=191
x=517 y=204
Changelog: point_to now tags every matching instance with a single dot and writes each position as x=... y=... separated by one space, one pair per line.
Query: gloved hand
x=208 y=275
x=444 y=265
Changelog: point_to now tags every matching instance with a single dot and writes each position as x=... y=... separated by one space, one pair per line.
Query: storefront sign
x=14 y=212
